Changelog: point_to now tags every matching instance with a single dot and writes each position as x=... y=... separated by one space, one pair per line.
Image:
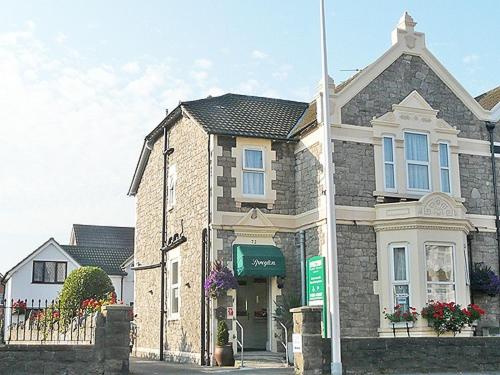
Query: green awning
x=258 y=261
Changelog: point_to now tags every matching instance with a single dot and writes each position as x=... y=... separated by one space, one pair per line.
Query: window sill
x=410 y=195
x=254 y=199
x=173 y=318
x=47 y=283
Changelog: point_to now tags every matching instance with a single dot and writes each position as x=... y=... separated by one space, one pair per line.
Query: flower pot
x=402 y=324
x=224 y=355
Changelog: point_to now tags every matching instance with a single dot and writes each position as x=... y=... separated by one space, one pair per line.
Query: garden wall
x=405 y=355
x=109 y=354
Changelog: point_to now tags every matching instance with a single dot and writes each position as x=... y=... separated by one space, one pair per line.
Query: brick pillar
x=307 y=323
x=112 y=338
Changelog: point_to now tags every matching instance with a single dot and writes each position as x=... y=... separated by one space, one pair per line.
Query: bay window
x=444 y=167
x=440 y=273
x=400 y=277
x=417 y=161
x=253 y=172
x=389 y=164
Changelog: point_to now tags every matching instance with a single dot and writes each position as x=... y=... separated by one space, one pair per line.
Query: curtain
x=445 y=181
x=439 y=263
x=389 y=176
x=443 y=155
x=399 y=264
x=416 y=147
x=253 y=159
x=253 y=183
x=418 y=177
x=388 y=153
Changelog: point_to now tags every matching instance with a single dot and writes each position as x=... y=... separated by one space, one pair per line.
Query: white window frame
x=393 y=163
x=496 y=144
x=448 y=168
x=418 y=162
x=454 y=255
x=253 y=170
x=171 y=186
x=399 y=282
x=173 y=257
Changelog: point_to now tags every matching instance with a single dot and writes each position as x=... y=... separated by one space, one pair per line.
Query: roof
x=228 y=114
x=103 y=236
x=109 y=259
x=309 y=117
x=489 y=99
x=243 y=115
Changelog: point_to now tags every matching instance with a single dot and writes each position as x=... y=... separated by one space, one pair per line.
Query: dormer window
x=253 y=172
x=417 y=161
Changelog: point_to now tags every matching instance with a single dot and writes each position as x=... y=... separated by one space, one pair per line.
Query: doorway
x=252 y=303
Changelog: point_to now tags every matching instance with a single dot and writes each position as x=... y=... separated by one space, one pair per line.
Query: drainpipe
x=471 y=264
x=163 y=243
x=121 y=288
x=206 y=302
x=491 y=127
x=202 y=297
x=303 y=267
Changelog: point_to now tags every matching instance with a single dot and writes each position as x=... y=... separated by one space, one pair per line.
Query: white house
x=39 y=277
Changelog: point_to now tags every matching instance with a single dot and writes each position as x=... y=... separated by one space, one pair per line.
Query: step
x=260 y=359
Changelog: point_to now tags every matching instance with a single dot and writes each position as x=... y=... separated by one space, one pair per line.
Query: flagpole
x=331 y=233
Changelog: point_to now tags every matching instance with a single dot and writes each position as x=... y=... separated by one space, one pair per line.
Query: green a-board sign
x=316 y=286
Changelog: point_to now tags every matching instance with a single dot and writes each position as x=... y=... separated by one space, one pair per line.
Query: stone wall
x=357 y=256
x=183 y=335
x=419 y=355
x=308 y=178
x=284 y=185
x=109 y=354
x=354 y=174
x=404 y=75
x=476 y=183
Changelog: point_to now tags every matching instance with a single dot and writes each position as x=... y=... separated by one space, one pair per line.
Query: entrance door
x=251 y=307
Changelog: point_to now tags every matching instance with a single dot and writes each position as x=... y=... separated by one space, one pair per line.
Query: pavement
x=139 y=366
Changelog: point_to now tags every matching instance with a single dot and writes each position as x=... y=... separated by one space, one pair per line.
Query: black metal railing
x=37 y=321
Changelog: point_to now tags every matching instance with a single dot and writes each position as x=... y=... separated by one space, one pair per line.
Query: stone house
x=238 y=178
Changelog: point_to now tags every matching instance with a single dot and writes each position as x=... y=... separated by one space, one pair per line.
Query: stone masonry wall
x=109 y=355
x=357 y=257
x=354 y=174
x=284 y=185
x=476 y=183
x=147 y=252
x=308 y=178
x=182 y=336
x=404 y=75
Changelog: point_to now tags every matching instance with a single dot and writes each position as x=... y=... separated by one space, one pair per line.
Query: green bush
x=81 y=284
x=222 y=333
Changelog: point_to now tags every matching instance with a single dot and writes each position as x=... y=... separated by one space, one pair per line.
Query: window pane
x=389 y=176
x=61 y=272
x=38 y=271
x=441 y=292
x=445 y=181
x=388 y=154
x=443 y=154
x=253 y=159
x=439 y=263
x=399 y=264
x=50 y=272
x=175 y=273
x=418 y=178
x=402 y=296
x=253 y=183
x=416 y=147
x=175 y=301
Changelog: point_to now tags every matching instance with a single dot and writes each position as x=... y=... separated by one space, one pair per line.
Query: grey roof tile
x=109 y=259
x=103 y=236
x=243 y=115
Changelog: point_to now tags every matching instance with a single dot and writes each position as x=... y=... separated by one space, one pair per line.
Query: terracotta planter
x=224 y=355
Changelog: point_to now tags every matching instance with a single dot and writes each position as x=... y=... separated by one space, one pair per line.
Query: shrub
x=81 y=284
x=222 y=333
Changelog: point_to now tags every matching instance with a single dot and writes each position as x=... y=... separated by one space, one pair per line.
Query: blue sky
x=82 y=82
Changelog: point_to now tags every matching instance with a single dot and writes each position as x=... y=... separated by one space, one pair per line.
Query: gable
x=49 y=251
x=407 y=74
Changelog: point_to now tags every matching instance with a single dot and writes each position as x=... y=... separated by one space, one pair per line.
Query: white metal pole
x=331 y=233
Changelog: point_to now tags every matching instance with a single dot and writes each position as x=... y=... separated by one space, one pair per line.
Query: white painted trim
x=30 y=258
